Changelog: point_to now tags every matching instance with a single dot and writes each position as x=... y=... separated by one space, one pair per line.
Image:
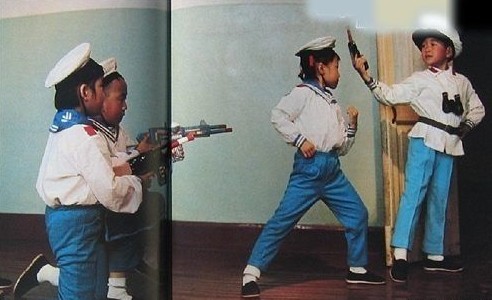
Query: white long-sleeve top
x=308 y=112
x=125 y=147
x=423 y=91
x=121 y=146
x=76 y=169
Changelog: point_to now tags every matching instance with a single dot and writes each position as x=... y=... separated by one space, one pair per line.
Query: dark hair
x=67 y=94
x=113 y=76
x=324 y=56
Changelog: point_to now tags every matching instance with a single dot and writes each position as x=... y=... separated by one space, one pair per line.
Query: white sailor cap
x=109 y=66
x=71 y=62
x=318 y=44
x=433 y=26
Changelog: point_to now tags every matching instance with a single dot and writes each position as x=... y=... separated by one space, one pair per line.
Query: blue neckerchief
x=66 y=118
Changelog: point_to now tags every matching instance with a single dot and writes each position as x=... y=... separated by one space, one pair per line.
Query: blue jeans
x=124 y=254
x=313 y=179
x=76 y=238
x=427 y=177
x=125 y=233
x=148 y=216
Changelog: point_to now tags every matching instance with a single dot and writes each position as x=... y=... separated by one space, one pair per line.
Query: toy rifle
x=354 y=52
x=158 y=159
x=203 y=130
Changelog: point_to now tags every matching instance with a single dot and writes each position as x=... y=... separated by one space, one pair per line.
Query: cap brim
x=68 y=64
x=418 y=36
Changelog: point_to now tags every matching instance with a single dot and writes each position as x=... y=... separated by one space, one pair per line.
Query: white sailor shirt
x=309 y=113
x=423 y=91
x=76 y=170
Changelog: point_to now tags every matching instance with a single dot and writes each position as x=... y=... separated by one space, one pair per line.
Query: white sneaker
x=118 y=293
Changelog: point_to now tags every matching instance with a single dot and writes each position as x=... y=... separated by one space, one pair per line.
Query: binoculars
x=452 y=105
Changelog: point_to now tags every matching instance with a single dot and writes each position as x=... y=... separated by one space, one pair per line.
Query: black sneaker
x=5 y=283
x=399 y=270
x=366 y=278
x=250 y=290
x=28 y=279
x=442 y=266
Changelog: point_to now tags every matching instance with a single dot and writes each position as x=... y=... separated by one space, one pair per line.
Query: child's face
x=114 y=106
x=330 y=74
x=435 y=53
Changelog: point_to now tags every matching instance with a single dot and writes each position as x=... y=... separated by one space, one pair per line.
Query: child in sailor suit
x=310 y=119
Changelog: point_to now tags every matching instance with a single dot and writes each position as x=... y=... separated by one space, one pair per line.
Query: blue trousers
x=427 y=177
x=76 y=238
x=313 y=179
x=124 y=254
x=149 y=215
x=125 y=233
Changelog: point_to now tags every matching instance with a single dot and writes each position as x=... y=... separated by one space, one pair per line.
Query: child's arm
x=400 y=93
x=353 y=116
x=474 y=110
x=117 y=193
x=283 y=116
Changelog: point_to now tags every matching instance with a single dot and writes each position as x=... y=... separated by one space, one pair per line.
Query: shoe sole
x=396 y=280
x=24 y=273
x=364 y=282
x=5 y=287
x=250 y=296
x=442 y=270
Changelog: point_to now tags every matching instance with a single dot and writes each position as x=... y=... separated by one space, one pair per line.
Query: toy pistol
x=354 y=52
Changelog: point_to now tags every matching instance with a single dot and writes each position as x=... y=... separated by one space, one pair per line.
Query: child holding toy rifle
x=448 y=109
x=124 y=243
x=310 y=119
x=76 y=179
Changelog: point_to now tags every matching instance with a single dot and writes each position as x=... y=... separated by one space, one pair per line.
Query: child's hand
x=307 y=149
x=123 y=169
x=353 y=116
x=359 y=66
x=145 y=145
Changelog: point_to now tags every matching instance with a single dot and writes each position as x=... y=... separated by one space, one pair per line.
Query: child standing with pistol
x=310 y=119
x=448 y=109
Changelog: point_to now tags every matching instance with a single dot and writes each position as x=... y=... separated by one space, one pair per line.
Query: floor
x=212 y=274
x=215 y=273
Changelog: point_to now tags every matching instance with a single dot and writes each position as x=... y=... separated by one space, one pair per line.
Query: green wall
x=30 y=47
x=232 y=64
